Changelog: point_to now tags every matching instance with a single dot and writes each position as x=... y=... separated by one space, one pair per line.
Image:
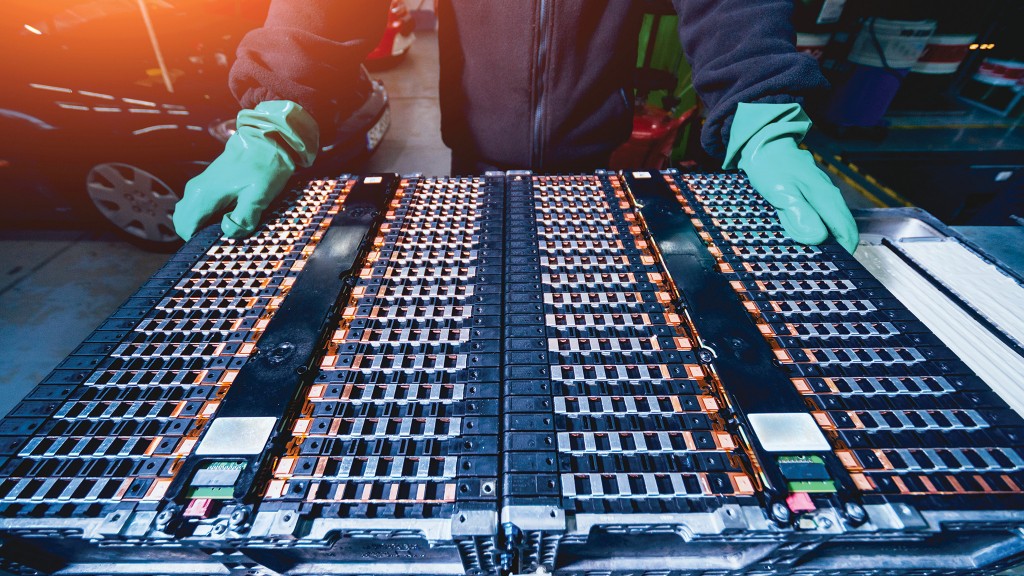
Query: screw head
x=706 y=355
x=238 y=516
x=164 y=518
x=855 y=513
x=780 y=513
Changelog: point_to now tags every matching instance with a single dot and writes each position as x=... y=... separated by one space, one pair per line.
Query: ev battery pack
x=602 y=374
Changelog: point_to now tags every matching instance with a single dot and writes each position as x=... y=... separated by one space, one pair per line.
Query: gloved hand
x=763 y=143
x=256 y=163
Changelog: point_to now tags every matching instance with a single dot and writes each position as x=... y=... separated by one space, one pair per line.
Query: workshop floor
x=56 y=286
x=413 y=145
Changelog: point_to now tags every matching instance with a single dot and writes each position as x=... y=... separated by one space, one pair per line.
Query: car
x=95 y=128
x=398 y=37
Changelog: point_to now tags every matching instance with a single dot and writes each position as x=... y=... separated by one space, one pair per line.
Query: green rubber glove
x=763 y=142
x=257 y=162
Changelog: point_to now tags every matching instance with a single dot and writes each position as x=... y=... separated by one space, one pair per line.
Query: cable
x=880 y=51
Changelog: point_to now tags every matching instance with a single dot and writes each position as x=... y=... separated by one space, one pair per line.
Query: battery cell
x=141 y=408
x=611 y=328
x=871 y=376
x=420 y=315
x=514 y=373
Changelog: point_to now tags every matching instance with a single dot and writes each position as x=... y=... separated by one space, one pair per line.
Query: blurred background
x=109 y=106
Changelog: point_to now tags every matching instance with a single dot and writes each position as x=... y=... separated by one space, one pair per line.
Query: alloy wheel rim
x=134 y=200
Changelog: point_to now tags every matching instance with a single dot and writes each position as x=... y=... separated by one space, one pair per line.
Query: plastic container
x=883 y=53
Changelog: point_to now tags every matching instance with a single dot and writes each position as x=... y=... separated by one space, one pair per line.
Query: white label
x=831 y=10
x=236 y=436
x=902 y=43
x=373 y=180
x=639 y=175
x=790 y=432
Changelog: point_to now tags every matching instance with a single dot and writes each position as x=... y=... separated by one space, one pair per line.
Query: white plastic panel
x=996 y=296
x=788 y=432
x=233 y=436
x=995 y=362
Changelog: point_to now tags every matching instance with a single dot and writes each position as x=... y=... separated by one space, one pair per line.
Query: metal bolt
x=855 y=513
x=220 y=527
x=825 y=522
x=163 y=519
x=780 y=513
x=706 y=355
x=239 y=516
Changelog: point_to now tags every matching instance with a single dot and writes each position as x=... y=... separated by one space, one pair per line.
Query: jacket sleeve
x=743 y=51
x=309 y=52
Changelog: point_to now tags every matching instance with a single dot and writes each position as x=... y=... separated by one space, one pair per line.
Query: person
x=526 y=84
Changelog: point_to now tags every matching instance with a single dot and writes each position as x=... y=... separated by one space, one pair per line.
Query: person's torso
x=540 y=84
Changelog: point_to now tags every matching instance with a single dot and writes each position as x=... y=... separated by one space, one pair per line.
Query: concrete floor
x=57 y=286
x=413 y=145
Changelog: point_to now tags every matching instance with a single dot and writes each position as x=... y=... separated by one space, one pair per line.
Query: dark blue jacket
x=541 y=84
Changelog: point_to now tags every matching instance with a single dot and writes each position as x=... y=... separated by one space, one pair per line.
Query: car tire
x=135 y=202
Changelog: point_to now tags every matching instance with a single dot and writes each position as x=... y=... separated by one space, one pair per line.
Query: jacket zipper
x=537 y=148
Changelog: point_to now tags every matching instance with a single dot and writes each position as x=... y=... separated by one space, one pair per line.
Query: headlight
x=223 y=129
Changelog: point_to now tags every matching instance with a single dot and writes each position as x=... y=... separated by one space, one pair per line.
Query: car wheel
x=135 y=201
